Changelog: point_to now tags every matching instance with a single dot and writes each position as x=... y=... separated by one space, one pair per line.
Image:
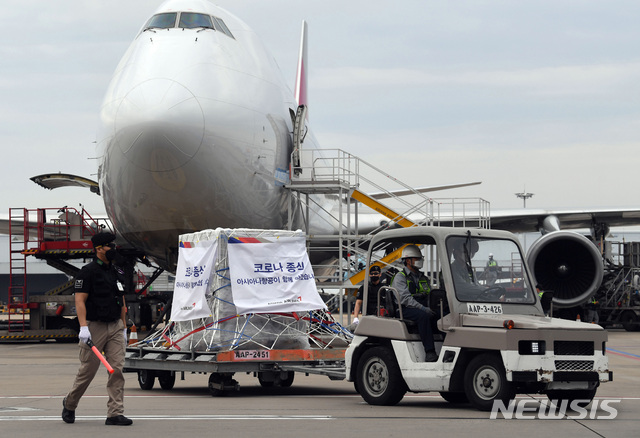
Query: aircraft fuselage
x=196 y=134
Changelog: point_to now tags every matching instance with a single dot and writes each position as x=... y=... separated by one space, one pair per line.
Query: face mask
x=418 y=264
x=111 y=254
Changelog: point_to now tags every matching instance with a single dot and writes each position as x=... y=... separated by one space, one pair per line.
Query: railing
x=59 y=228
x=355 y=181
x=34 y=231
x=322 y=167
x=619 y=289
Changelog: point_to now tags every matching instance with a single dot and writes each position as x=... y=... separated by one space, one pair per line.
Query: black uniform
x=100 y=299
x=100 y=281
x=103 y=283
x=372 y=300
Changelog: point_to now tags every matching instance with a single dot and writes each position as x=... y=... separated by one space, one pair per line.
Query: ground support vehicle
x=618 y=298
x=271 y=367
x=49 y=317
x=494 y=341
x=61 y=237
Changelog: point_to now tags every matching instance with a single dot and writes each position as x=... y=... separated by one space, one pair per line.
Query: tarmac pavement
x=34 y=378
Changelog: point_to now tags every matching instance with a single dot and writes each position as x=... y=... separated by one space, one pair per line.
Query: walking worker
x=101 y=310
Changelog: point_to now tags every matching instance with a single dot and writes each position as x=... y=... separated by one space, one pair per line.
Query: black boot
x=67 y=415
x=118 y=420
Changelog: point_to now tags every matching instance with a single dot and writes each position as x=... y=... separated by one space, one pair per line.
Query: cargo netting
x=224 y=329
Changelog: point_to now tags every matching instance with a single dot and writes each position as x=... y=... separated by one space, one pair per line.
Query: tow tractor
x=493 y=339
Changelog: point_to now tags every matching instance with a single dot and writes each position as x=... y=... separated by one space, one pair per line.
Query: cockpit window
x=190 y=20
x=162 y=21
x=222 y=27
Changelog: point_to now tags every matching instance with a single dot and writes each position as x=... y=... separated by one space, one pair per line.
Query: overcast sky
x=537 y=94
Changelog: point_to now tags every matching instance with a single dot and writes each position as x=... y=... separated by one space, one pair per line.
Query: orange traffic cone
x=578 y=318
x=133 y=336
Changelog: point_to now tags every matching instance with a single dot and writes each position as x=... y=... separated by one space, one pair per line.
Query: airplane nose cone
x=159 y=125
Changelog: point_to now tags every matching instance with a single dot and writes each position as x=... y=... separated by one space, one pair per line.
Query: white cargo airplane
x=197 y=133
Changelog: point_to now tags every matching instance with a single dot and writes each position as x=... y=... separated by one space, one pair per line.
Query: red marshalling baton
x=100 y=356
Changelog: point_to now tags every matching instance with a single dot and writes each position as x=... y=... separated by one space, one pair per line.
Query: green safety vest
x=421 y=288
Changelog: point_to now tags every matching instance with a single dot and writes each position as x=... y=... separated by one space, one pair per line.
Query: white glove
x=85 y=334
x=124 y=333
x=356 y=320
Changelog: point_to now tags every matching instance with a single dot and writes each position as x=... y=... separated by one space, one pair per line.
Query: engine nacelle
x=568 y=264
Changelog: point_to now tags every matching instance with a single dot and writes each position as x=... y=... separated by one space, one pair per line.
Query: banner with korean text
x=195 y=263
x=272 y=274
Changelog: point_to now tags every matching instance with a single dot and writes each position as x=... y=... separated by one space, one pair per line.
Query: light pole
x=524 y=196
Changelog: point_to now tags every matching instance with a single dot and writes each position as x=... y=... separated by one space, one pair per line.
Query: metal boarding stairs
x=619 y=291
x=337 y=174
x=17 y=294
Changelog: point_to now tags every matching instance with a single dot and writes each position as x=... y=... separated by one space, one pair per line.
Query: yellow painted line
x=386 y=260
x=381 y=208
x=385 y=211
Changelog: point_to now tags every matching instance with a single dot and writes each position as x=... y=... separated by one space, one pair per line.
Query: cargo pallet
x=271 y=367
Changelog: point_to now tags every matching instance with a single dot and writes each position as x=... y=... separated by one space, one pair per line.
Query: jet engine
x=568 y=264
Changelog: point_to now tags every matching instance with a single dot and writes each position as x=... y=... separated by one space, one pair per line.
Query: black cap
x=101 y=239
x=375 y=268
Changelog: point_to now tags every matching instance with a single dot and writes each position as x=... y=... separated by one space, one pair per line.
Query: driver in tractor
x=413 y=288
x=464 y=278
